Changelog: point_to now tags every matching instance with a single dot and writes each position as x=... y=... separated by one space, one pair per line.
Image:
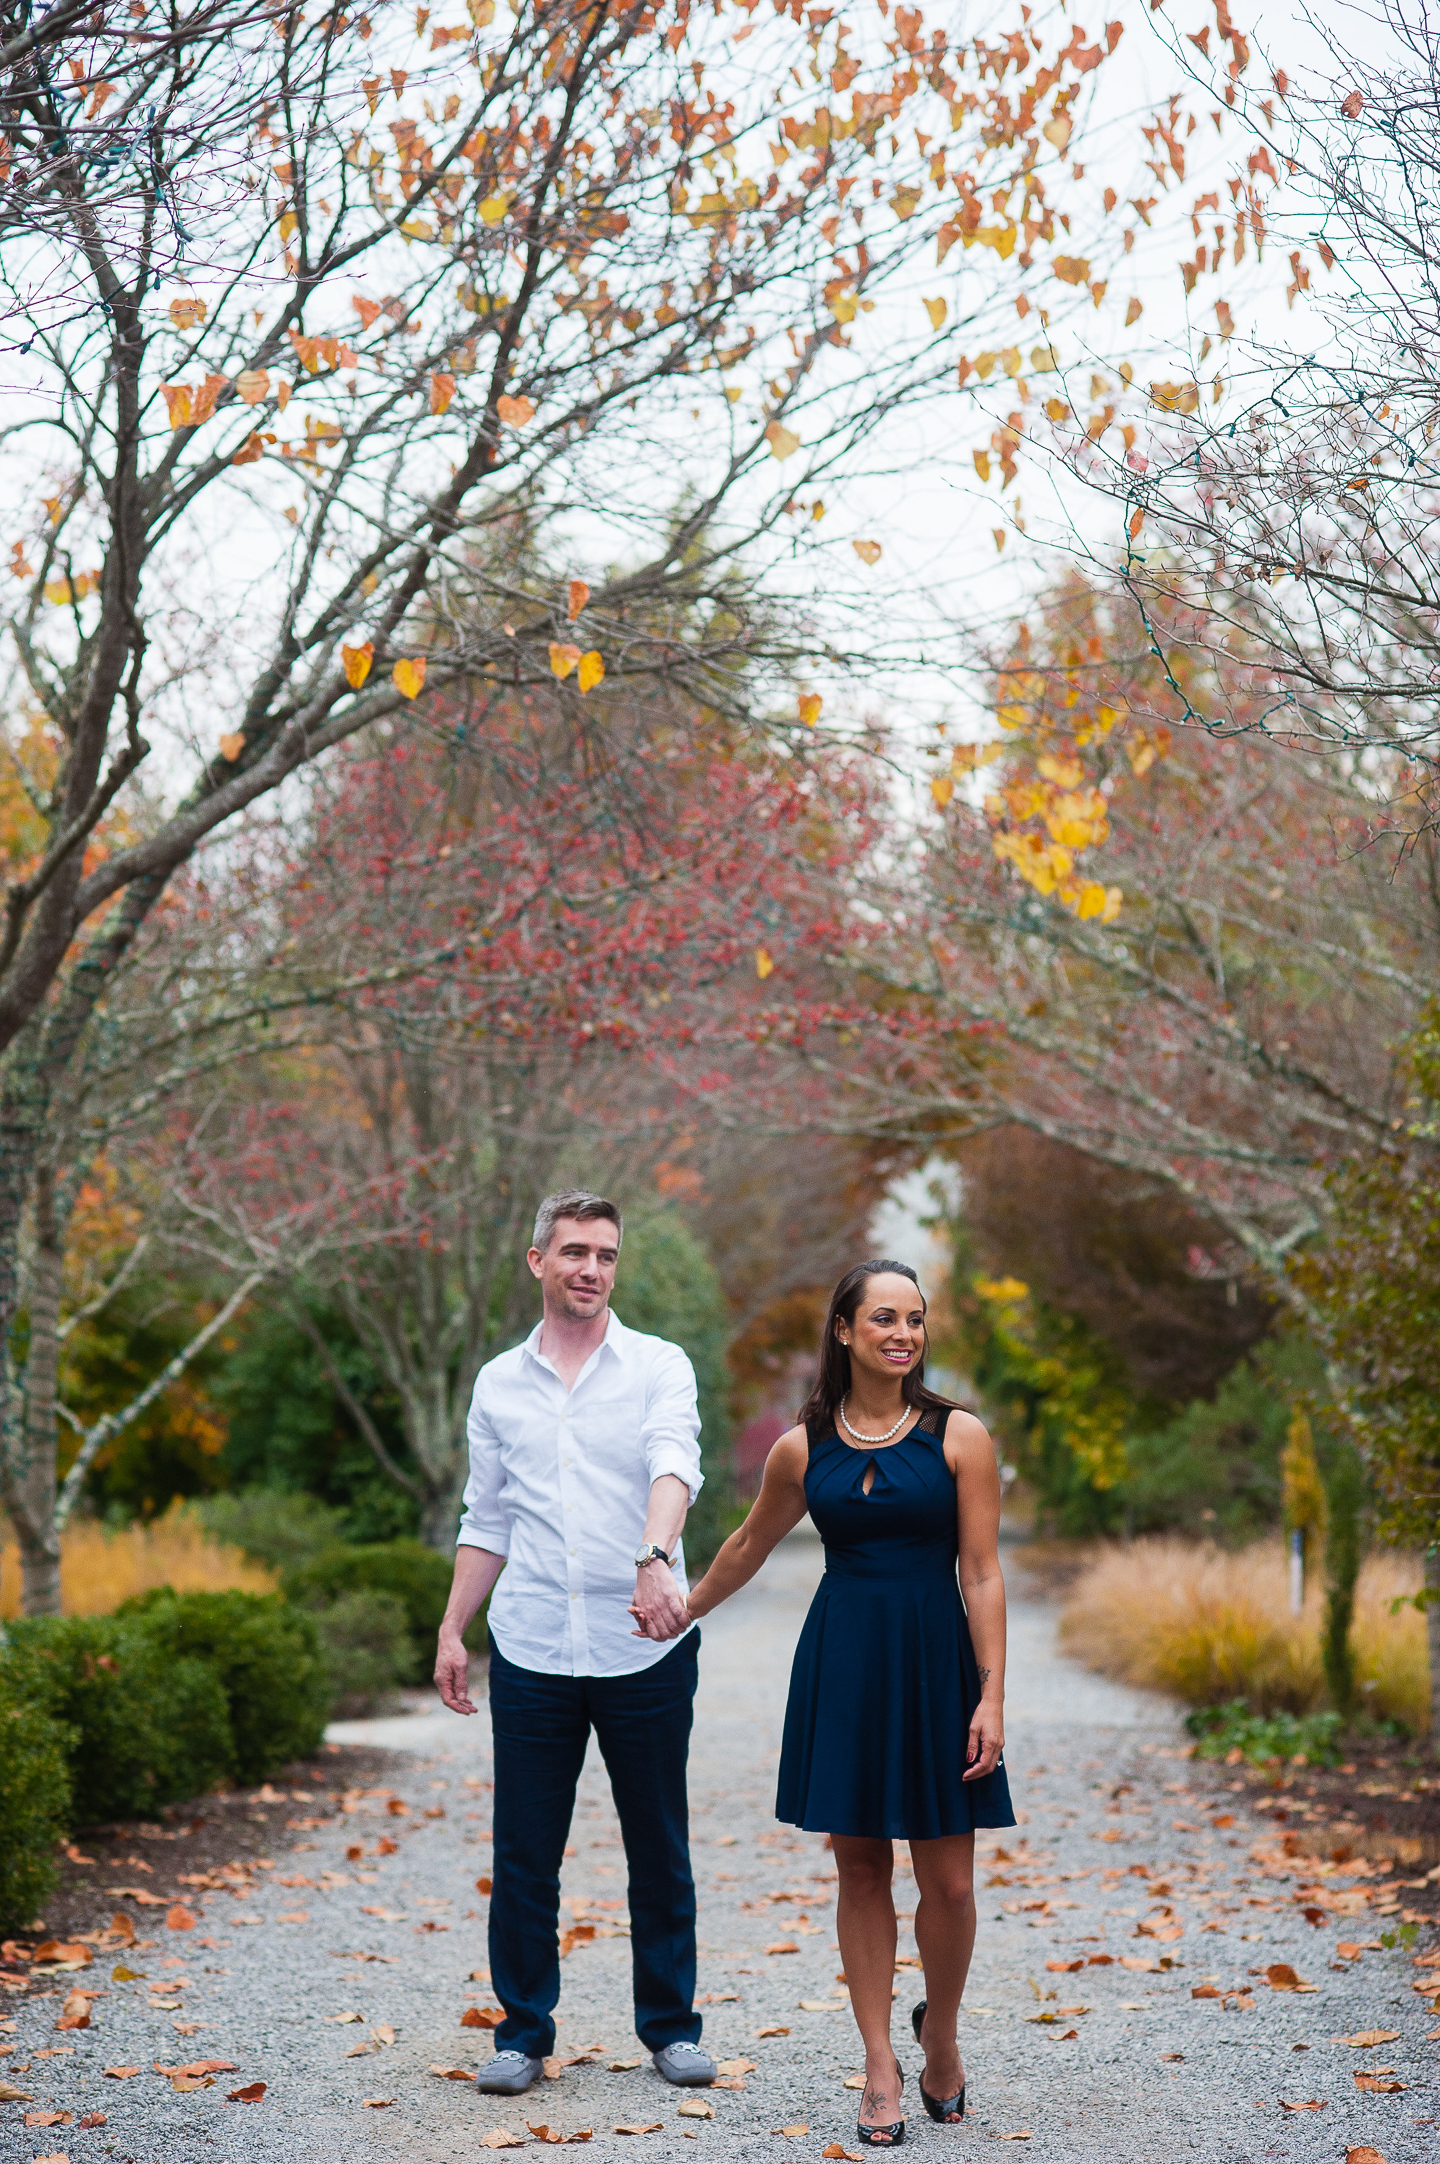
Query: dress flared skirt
x=882 y=1690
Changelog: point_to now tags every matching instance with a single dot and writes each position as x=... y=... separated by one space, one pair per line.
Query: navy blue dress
x=885 y=1681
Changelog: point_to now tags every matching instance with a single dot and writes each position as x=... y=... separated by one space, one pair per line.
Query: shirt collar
x=613 y=1342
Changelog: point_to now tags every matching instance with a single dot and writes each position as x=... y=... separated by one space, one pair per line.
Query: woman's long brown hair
x=818 y=1413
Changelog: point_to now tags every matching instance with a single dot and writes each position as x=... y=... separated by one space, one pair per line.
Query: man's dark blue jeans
x=542 y=1725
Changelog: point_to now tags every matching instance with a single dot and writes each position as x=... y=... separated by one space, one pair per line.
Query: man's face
x=577 y=1269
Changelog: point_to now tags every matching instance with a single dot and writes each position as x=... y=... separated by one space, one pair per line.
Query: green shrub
x=265 y=1657
x=668 y=1286
x=147 y=1725
x=272 y=1525
x=1314 y=1738
x=34 y=1802
x=367 y=1649
x=408 y=1571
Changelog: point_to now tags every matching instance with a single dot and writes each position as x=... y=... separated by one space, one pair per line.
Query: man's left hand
x=659 y=1606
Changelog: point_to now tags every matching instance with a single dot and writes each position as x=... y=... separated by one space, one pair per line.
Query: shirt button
x=574 y=1596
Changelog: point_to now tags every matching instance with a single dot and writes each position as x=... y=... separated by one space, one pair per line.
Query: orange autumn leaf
x=442 y=390
x=579 y=595
x=355 y=661
x=231 y=747
x=514 y=412
x=177 y=398
x=186 y=313
x=942 y=788
x=367 y=311
x=808 y=706
x=251 y=2094
x=179 y=1918
x=763 y=967
x=563 y=659
x=409 y=677
x=869 y=552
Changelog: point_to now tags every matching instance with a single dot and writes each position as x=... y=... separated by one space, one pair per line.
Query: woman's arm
x=970 y=1454
x=778 y=1508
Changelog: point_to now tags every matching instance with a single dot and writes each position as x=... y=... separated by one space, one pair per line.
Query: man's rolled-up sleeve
x=670 y=1436
x=483 y=1524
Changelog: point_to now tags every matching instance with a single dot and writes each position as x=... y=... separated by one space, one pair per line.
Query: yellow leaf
x=57 y=593
x=808 y=705
x=982 y=464
x=1010 y=361
x=563 y=659
x=942 y=788
x=418 y=229
x=409 y=677
x=442 y=390
x=869 y=552
x=763 y=963
x=356 y=660
x=1056 y=409
x=937 y=312
x=514 y=412
x=252 y=384
x=844 y=307
x=1072 y=270
x=732 y=392
x=177 y=397
x=288 y=223
x=482 y=12
x=579 y=595
x=186 y=313
x=905 y=202
x=1113 y=901
x=493 y=208
x=591 y=671
x=232 y=745
x=999 y=237
x=1044 y=360
x=782 y=441
x=1175 y=397
x=1058 y=130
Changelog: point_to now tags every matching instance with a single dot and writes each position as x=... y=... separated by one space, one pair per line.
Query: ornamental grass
x=1209 y=1624
x=100 y=1568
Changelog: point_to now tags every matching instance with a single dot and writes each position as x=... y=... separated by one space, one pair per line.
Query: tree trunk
x=1432 y=1632
x=38 y=1533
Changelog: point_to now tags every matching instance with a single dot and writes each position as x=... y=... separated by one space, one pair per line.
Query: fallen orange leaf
x=71 y=1953
x=379 y=2103
x=772 y=2032
x=452 y=2073
x=121 y=2073
x=1315 y=2104
x=482 y=2017
x=657 y=2126
x=249 y=2095
x=1366 y=2039
x=1378 y=2087
x=1363 y=2156
x=783 y=1946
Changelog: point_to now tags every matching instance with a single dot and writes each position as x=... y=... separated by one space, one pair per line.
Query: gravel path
x=1115 y=2061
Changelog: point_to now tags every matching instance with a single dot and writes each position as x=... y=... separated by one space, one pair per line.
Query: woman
x=894 y=1727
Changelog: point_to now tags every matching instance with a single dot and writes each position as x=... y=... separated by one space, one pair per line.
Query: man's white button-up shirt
x=559 y=1484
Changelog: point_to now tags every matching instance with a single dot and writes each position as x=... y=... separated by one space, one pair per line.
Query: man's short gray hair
x=575 y=1202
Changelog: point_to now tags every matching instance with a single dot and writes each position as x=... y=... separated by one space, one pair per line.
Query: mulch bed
x=1382 y=1803
x=199 y=1838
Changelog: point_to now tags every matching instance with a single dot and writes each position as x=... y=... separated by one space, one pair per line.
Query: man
x=584 y=1458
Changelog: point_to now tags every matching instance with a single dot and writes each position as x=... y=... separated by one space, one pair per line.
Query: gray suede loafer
x=686 y=2065
x=510 y=2073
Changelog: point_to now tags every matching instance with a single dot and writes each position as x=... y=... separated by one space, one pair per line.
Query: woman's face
x=887 y=1337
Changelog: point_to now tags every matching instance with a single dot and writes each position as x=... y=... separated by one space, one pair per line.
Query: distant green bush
x=408 y=1571
x=148 y=1724
x=272 y=1525
x=1312 y=1737
x=667 y=1286
x=265 y=1657
x=367 y=1649
x=34 y=1801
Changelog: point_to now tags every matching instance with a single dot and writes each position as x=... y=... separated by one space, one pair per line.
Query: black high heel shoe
x=883 y=2137
x=952 y=2108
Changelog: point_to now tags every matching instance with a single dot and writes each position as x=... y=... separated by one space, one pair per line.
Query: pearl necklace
x=905 y=1415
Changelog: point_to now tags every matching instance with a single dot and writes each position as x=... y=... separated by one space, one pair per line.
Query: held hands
x=659 y=1606
x=452 y=1667
x=986 y=1741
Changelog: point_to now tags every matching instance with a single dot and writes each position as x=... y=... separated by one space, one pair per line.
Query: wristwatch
x=652 y=1552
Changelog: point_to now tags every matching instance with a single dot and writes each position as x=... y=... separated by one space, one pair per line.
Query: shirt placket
x=571 y=1520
